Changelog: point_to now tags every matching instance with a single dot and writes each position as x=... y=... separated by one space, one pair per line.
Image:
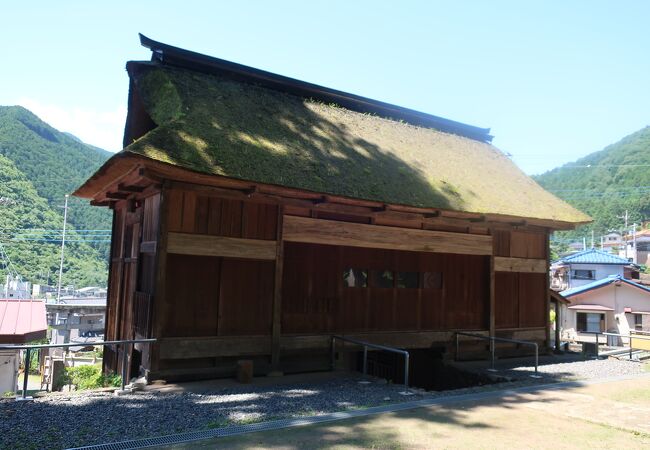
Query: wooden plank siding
x=316 y=301
x=520 y=279
x=230 y=276
x=319 y=231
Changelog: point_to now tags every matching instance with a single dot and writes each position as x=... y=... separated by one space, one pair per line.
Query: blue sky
x=555 y=80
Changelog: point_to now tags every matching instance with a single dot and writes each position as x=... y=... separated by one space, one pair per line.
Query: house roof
x=22 y=321
x=585 y=307
x=592 y=256
x=600 y=284
x=215 y=117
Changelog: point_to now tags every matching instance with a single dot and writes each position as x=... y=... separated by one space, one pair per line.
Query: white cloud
x=103 y=129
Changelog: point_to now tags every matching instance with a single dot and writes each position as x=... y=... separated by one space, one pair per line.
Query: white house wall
x=602 y=271
x=618 y=297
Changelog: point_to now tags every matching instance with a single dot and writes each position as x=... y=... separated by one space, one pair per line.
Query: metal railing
x=494 y=339
x=366 y=346
x=633 y=335
x=28 y=349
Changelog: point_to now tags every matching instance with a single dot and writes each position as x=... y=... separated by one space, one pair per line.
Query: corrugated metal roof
x=592 y=256
x=22 y=321
x=598 y=284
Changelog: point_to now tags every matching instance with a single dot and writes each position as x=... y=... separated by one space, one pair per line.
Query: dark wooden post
x=492 y=321
x=547 y=288
x=158 y=298
x=277 y=298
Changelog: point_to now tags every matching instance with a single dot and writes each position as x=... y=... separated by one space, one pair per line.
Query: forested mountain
x=38 y=166
x=606 y=183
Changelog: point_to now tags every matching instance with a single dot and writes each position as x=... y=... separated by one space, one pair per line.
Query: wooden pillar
x=277 y=297
x=492 y=322
x=547 y=287
x=158 y=298
x=558 y=321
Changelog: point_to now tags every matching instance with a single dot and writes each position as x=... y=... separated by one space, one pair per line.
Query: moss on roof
x=218 y=126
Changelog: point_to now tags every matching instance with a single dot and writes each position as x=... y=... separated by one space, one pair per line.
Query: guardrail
x=633 y=335
x=28 y=349
x=366 y=346
x=492 y=340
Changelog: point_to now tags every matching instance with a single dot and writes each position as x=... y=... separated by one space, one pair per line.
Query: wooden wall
x=204 y=273
x=315 y=300
x=521 y=297
x=214 y=295
x=131 y=272
x=199 y=213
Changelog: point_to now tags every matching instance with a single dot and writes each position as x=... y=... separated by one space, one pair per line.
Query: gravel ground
x=576 y=369
x=76 y=419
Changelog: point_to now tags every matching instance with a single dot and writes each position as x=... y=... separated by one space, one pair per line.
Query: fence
x=28 y=353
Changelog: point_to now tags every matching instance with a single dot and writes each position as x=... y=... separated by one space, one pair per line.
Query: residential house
x=255 y=216
x=587 y=266
x=613 y=304
x=638 y=247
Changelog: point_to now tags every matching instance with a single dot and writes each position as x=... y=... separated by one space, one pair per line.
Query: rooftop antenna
x=65 y=219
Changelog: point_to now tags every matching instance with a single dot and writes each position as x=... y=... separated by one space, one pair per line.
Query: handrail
x=366 y=346
x=641 y=332
x=28 y=349
x=492 y=339
x=628 y=336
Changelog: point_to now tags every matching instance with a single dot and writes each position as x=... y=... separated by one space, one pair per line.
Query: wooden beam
x=129 y=188
x=218 y=346
x=207 y=347
x=505 y=264
x=207 y=245
x=318 y=231
x=97 y=203
x=148 y=247
x=117 y=195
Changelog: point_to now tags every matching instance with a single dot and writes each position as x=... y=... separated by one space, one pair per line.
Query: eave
x=141 y=171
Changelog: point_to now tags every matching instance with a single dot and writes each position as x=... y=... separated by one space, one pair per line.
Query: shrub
x=90 y=377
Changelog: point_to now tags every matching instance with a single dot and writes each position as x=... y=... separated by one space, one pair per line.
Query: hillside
x=39 y=166
x=606 y=183
x=31 y=258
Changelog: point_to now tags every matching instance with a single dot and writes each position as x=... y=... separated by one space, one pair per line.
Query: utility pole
x=625 y=216
x=601 y=243
x=592 y=239
x=634 y=243
x=584 y=243
x=65 y=219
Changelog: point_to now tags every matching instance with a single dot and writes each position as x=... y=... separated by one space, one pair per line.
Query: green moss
x=217 y=126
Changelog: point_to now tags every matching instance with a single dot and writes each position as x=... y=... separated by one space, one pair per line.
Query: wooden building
x=257 y=215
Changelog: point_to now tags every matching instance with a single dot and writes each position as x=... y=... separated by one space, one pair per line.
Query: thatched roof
x=222 y=125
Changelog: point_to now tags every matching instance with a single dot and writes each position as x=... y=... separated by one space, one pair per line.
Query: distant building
x=21 y=321
x=613 y=304
x=15 y=287
x=638 y=247
x=587 y=266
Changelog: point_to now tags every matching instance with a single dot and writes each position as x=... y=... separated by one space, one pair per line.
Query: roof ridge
x=176 y=56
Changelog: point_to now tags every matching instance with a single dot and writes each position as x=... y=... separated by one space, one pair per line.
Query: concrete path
x=615 y=414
